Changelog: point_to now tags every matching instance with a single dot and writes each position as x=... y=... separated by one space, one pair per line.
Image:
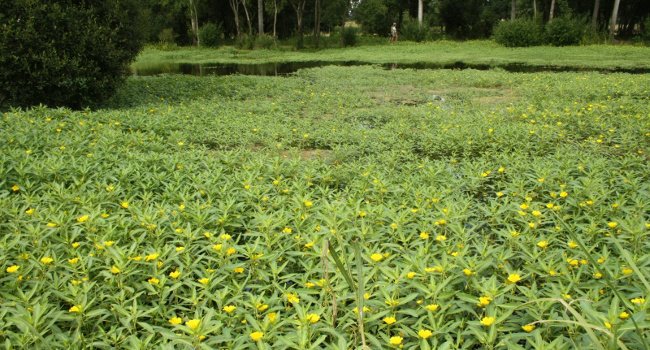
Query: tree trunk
x=260 y=17
x=234 y=5
x=275 y=16
x=420 y=11
x=535 y=9
x=513 y=9
x=594 y=16
x=194 y=18
x=317 y=22
x=552 y=11
x=612 y=27
x=248 y=19
x=299 y=7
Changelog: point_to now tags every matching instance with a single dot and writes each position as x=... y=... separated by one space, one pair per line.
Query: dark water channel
x=286 y=68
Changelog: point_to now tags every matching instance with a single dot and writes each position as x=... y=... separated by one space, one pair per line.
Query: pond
x=286 y=68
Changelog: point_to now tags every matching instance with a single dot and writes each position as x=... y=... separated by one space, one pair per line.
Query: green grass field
x=458 y=209
x=440 y=52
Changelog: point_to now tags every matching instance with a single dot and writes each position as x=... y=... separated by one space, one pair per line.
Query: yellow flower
x=287 y=230
x=272 y=316
x=154 y=281
x=52 y=224
x=231 y=251
x=73 y=261
x=598 y=275
x=410 y=275
x=623 y=315
x=15 y=188
x=436 y=269
x=362 y=214
x=528 y=328
x=238 y=270
x=115 y=270
x=484 y=301
x=109 y=243
x=151 y=257
x=424 y=333
x=83 y=218
x=627 y=271
x=389 y=320
x=612 y=224
x=424 y=235
x=180 y=249
x=550 y=205
x=75 y=309
x=175 y=274
x=229 y=308
x=393 y=226
x=487 y=321
x=564 y=194
x=46 y=260
x=193 y=324
x=12 y=269
x=441 y=221
x=308 y=204
x=30 y=211
x=432 y=307
x=217 y=247
x=225 y=236
x=175 y=321
x=468 y=272
x=293 y=298
x=124 y=205
x=523 y=206
x=608 y=325
x=396 y=340
x=257 y=336
x=313 y=318
x=514 y=278
x=441 y=238
x=262 y=307
x=499 y=194
x=204 y=281
x=542 y=244
x=377 y=257
x=638 y=301
x=104 y=215
x=536 y=213
x=572 y=244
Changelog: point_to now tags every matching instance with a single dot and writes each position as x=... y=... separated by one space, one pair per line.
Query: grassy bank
x=492 y=210
x=440 y=52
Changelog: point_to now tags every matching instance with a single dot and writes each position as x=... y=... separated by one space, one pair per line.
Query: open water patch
x=287 y=68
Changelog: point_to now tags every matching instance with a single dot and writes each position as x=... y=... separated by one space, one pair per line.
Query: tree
x=260 y=17
x=594 y=15
x=248 y=18
x=513 y=9
x=234 y=5
x=299 y=8
x=612 y=27
x=551 y=12
x=194 y=18
x=66 y=53
x=420 y=11
x=317 y=22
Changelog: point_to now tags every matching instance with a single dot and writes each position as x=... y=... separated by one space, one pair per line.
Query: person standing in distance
x=393 y=33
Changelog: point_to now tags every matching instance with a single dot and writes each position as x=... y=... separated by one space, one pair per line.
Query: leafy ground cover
x=441 y=52
x=467 y=209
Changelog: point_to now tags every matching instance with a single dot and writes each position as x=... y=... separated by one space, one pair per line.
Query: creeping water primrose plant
x=392 y=208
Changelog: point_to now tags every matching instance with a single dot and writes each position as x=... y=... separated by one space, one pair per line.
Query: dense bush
x=645 y=33
x=167 y=36
x=413 y=31
x=564 y=31
x=264 y=42
x=65 y=53
x=210 y=35
x=518 y=33
x=245 y=42
x=349 y=36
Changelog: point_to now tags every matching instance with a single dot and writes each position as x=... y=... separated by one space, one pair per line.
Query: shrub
x=518 y=33
x=264 y=42
x=349 y=36
x=564 y=31
x=411 y=30
x=167 y=36
x=245 y=41
x=645 y=30
x=65 y=53
x=210 y=35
